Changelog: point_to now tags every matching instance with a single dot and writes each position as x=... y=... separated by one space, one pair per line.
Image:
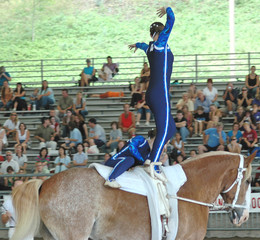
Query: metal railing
x=188 y=68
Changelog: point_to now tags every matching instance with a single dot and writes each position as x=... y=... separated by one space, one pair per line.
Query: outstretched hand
x=161 y=12
x=132 y=46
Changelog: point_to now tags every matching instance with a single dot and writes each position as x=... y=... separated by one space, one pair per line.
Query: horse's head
x=237 y=190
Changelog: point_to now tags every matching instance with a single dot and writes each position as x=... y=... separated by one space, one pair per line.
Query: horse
x=75 y=205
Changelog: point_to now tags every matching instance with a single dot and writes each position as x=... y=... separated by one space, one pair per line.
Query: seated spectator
x=136 y=92
x=114 y=136
x=46 y=135
x=213 y=123
x=244 y=99
x=34 y=98
x=249 y=118
x=106 y=157
x=4 y=76
x=249 y=138
x=87 y=74
x=214 y=139
x=189 y=117
x=192 y=92
x=143 y=109
x=43 y=158
x=252 y=82
x=145 y=76
x=40 y=169
x=62 y=162
x=127 y=121
x=52 y=113
x=20 y=157
x=65 y=103
x=257 y=99
x=239 y=115
x=18 y=99
x=45 y=97
x=178 y=144
x=80 y=105
x=11 y=125
x=193 y=153
x=23 y=137
x=91 y=147
x=9 y=181
x=3 y=138
x=120 y=145
x=56 y=127
x=96 y=133
x=69 y=117
x=178 y=160
x=82 y=126
x=185 y=101
x=181 y=125
x=202 y=101
x=234 y=146
x=75 y=137
x=211 y=92
x=214 y=112
x=235 y=132
x=9 y=162
x=109 y=70
x=230 y=99
x=256 y=115
x=6 y=97
x=80 y=159
x=200 y=120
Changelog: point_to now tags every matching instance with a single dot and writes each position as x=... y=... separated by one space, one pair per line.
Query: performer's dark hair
x=156 y=27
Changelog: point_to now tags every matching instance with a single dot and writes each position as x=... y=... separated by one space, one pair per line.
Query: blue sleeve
x=135 y=143
x=208 y=131
x=142 y=46
x=135 y=152
x=165 y=33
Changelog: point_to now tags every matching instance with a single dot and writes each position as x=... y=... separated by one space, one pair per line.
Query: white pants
x=50 y=144
x=11 y=233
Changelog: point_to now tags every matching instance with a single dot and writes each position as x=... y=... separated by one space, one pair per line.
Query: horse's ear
x=250 y=159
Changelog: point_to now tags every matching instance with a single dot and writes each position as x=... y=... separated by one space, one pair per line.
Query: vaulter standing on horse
x=157 y=96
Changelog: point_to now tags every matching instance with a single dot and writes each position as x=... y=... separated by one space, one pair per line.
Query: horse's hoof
x=112 y=184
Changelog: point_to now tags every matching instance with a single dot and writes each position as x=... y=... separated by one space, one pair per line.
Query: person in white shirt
x=19 y=157
x=9 y=162
x=211 y=93
x=3 y=138
x=11 y=125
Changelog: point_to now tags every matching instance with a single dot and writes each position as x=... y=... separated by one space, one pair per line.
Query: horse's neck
x=205 y=177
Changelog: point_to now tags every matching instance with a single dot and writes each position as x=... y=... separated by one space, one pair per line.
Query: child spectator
x=189 y=117
x=19 y=102
x=44 y=158
x=114 y=136
x=142 y=108
x=145 y=76
x=23 y=137
x=248 y=118
x=234 y=146
x=6 y=97
x=62 y=162
x=200 y=120
x=80 y=105
x=214 y=112
x=136 y=92
x=193 y=153
x=178 y=160
x=80 y=159
x=249 y=138
x=34 y=97
x=239 y=115
x=178 y=144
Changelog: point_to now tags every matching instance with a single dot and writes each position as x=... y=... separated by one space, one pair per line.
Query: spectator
x=142 y=108
x=136 y=92
x=178 y=144
x=192 y=92
x=214 y=112
x=96 y=133
x=6 y=97
x=56 y=127
x=40 y=169
x=121 y=144
x=249 y=138
x=9 y=162
x=19 y=102
x=69 y=117
x=200 y=120
x=239 y=115
x=20 y=158
x=87 y=74
x=257 y=99
x=185 y=101
x=82 y=126
x=203 y=101
x=193 y=153
x=45 y=134
x=244 y=99
x=91 y=147
x=256 y=115
x=64 y=103
x=62 y=162
x=8 y=181
x=211 y=92
x=230 y=99
x=80 y=159
x=189 y=117
x=252 y=82
x=80 y=105
x=23 y=137
x=43 y=158
x=52 y=113
x=235 y=132
x=249 y=118
x=145 y=76
x=234 y=146
x=4 y=76
x=178 y=160
x=75 y=137
x=127 y=121
x=214 y=139
x=109 y=70
x=106 y=157
x=34 y=98
x=45 y=97
x=3 y=138
x=114 y=136
x=181 y=125
x=11 y=125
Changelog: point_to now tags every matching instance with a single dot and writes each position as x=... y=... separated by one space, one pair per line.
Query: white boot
x=112 y=184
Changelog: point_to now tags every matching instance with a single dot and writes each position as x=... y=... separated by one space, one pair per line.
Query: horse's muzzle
x=238 y=216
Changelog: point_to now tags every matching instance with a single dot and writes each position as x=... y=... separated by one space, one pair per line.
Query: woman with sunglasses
x=234 y=146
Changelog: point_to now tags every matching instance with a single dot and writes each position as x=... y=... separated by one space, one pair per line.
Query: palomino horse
x=74 y=204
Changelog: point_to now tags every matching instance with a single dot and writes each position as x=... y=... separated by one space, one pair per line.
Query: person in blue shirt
x=157 y=95
x=235 y=132
x=134 y=153
x=4 y=76
x=75 y=137
x=87 y=74
x=214 y=139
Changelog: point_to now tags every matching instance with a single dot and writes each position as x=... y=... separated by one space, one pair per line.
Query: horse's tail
x=26 y=205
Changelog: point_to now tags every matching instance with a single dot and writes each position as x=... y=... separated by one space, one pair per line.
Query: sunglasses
x=13 y=115
x=8 y=154
x=244 y=89
x=233 y=139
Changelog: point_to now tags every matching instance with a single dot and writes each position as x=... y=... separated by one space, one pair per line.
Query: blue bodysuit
x=134 y=153
x=157 y=96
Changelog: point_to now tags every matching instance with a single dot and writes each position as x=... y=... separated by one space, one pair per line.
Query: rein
x=226 y=207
